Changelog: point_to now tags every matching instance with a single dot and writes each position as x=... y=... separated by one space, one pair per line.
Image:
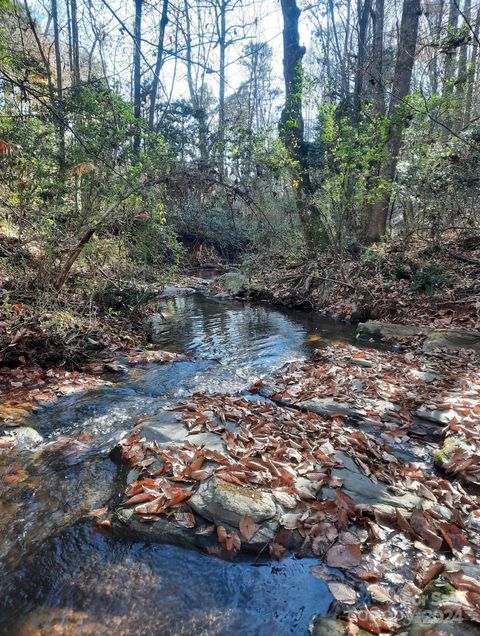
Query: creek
x=60 y=574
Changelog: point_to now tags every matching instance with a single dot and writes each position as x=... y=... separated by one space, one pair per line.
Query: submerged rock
x=26 y=437
x=453 y=339
x=323 y=626
x=164 y=530
x=376 y=328
x=233 y=283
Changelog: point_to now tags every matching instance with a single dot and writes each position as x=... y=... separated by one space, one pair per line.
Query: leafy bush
x=427 y=277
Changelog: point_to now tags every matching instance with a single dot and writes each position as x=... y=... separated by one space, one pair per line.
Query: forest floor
x=418 y=283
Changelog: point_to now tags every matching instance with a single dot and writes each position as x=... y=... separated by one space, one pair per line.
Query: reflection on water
x=250 y=338
x=94 y=585
x=60 y=575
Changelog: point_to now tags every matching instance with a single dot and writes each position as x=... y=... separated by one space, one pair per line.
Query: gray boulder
x=173 y=292
x=224 y=504
x=437 y=416
x=452 y=339
x=378 y=329
x=233 y=283
x=26 y=437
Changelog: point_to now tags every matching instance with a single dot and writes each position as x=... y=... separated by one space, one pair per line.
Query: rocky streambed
x=362 y=462
x=349 y=458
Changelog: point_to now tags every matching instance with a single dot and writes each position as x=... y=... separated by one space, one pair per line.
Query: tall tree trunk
x=137 y=94
x=450 y=70
x=59 y=82
x=451 y=56
x=221 y=88
x=158 y=65
x=462 y=57
x=471 y=74
x=75 y=45
x=291 y=122
x=377 y=222
x=196 y=96
x=377 y=58
x=363 y=15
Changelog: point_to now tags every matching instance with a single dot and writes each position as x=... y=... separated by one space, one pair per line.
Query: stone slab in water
x=26 y=437
x=453 y=339
x=173 y=292
x=437 y=416
x=165 y=434
x=377 y=328
x=364 y=491
x=127 y=523
x=165 y=429
x=329 y=406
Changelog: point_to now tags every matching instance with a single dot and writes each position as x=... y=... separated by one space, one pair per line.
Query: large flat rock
x=364 y=491
x=128 y=524
x=357 y=410
x=378 y=329
x=452 y=339
x=165 y=429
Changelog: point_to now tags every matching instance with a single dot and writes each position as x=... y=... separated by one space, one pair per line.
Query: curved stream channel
x=60 y=574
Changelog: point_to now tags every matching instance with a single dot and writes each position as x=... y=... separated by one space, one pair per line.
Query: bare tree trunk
x=363 y=15
x=377 y=223
x=462 y=58
x=291 y=122
x=450 y=60
x=158 y=64
x=59 y=80
x=435 y=31
x=221 y=97
x=137 y=95
x=196 y=96
x=72 y=257
x=377 y=57
x=471 y=74
x=75 y=45
x=87 y=235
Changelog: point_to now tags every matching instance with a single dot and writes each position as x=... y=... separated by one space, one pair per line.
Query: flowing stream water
x=60 y=574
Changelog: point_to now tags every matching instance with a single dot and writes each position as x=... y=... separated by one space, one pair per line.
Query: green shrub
x=427 y=277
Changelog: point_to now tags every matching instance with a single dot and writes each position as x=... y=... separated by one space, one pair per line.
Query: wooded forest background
x=132 y=132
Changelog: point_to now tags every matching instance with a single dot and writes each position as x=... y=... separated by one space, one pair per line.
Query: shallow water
x=62 y=575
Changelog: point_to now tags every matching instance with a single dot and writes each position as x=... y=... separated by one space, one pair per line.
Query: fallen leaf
x=98 y=512
x=422 y=527
x=248 y=527
x=185 y=519
x=457 y=542
x=379 y=593
x=344 y=556
x=342 y=592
